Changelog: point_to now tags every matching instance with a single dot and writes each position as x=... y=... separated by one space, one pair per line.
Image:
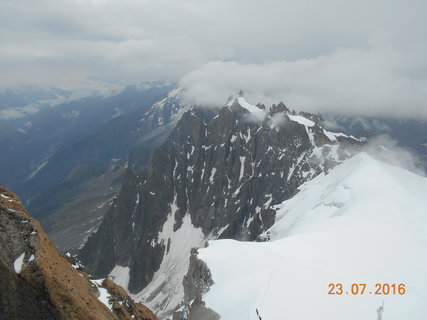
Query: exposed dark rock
x=22 y=300
x=223 y=170
x=196 y=283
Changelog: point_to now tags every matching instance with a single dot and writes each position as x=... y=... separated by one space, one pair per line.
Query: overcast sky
x=366 y=56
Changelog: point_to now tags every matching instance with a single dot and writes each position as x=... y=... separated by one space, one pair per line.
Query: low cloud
x=10 y=114
x=387 y=150
x=377 y=81
x=277 y=120
x=365 y=56
x=16 y=113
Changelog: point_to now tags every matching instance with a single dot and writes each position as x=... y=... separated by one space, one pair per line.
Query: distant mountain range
x=51 y=129
x=409 y=134
x=53 y=158
x=92 y=167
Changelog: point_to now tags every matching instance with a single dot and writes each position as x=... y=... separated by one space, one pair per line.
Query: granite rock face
x=217 y=176
x=37 y=282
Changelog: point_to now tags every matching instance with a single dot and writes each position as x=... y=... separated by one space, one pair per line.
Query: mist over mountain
x=43 y=135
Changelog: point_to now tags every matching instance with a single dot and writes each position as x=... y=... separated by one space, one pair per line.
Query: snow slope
x=364 y=222
x=167 y=281
x=256 y=112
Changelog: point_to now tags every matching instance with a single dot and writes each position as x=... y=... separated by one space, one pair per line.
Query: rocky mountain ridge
x=216 y=176
x=38 y=283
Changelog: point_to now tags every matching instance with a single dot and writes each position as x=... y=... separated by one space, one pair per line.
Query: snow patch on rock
x=167 y=281
x=19 y=262
x=121 y=276
x=104 y=296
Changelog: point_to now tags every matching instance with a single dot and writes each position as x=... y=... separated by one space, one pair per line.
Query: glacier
x=364 y=222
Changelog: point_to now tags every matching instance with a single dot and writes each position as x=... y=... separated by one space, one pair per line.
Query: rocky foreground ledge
x=38 y=283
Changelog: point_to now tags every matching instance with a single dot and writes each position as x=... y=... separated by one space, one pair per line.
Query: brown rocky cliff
x=37 y=282
x=123 y=306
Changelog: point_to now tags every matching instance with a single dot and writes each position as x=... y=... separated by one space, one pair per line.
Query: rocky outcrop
x=37 y=282
x=196 y=283
x=217 y=176
x=123 y=306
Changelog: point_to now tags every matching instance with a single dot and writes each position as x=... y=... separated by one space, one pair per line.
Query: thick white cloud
x=375 y=81
x=366 y=54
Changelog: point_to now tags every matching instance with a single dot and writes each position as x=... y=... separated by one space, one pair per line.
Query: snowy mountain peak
x=353 y=225
x=381 y=192
x=241 y=100
x=175 y=93
x=254 y=110
x=279 y=114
